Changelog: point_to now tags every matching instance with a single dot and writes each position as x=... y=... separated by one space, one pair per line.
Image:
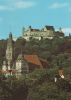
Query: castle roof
x=49 y=27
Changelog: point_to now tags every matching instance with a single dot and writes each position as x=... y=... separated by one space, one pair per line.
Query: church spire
x=9 y=50
x=10 y=35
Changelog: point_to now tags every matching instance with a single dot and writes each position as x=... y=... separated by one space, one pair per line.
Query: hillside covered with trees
x=56 y=51
x=40 y=84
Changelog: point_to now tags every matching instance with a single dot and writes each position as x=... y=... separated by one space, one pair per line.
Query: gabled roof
x=34 y=59
x=49 y=27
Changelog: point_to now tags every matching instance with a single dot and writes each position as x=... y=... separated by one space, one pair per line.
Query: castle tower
x=9 y=51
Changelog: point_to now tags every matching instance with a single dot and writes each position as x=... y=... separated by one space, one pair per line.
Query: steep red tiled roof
x=34 y=59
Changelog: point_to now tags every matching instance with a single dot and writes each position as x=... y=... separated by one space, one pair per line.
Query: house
x=60 y=74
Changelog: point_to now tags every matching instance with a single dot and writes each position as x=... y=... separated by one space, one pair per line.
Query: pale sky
x=15 y=14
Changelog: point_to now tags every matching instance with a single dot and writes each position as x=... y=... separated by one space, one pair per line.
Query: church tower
x=9 y=51
x=21 y=66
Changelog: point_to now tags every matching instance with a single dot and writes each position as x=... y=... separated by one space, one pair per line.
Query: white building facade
x=46 y=32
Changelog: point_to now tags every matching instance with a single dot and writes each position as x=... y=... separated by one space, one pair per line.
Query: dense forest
x=38 y=85
x=56 y=51
x=58 y=54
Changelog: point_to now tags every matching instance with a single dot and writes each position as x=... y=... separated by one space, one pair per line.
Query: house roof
x=49 y=27
x=34 y=59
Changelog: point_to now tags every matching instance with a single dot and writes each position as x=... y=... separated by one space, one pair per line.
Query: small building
x=60 y=74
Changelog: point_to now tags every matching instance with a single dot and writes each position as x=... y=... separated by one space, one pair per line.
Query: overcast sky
x=15 y=14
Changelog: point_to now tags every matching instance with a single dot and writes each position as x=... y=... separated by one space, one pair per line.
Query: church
x=8 y=61
x=22 y=64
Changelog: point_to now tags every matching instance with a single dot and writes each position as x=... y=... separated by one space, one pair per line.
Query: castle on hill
x=46 y=32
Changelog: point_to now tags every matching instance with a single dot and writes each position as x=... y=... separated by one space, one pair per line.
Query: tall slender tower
x=9 y=51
